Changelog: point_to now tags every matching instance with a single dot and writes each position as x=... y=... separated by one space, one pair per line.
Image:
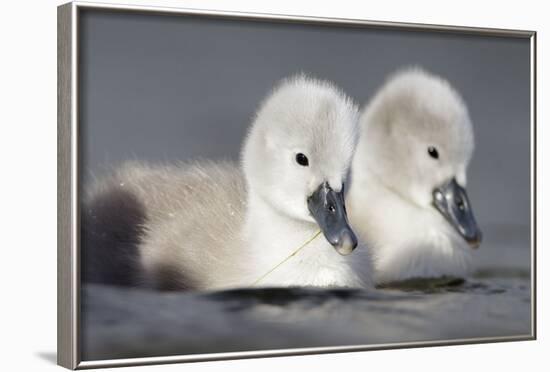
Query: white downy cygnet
x=211 y=225
x=407 y=200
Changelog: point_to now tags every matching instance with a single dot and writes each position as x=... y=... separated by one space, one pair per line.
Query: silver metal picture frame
x=69 y=322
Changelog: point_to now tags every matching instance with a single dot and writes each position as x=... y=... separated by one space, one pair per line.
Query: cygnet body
x=407 y=200
x=278 y=219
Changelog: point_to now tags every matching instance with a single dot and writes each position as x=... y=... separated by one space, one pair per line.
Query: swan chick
x=408 y=200
x=212 y=225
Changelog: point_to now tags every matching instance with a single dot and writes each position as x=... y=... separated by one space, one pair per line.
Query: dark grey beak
x=329 y=210
x=452 y=201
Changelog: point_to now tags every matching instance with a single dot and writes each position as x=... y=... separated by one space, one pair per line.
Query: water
x=495 y=302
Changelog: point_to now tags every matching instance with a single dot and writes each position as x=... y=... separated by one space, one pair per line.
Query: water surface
x=127 y=323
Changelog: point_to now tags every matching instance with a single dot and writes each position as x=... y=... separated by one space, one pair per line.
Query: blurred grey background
x=165 y=87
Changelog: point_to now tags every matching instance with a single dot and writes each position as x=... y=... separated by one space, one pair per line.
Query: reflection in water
x=122 y=323
x=118 y=322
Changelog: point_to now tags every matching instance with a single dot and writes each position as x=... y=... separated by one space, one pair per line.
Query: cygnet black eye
x=302 y=159
x=433 y=152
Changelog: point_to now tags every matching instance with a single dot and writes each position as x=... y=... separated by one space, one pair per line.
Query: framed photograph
x=236 y=185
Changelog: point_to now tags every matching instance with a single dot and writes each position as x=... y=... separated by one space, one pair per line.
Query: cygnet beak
x=329 y=211
x=452 y=202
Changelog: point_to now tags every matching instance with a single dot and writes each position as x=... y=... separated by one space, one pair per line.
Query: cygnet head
x=298 y=153
x=418 y=140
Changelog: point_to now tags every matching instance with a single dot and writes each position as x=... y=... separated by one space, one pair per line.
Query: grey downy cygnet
x=212 y=225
